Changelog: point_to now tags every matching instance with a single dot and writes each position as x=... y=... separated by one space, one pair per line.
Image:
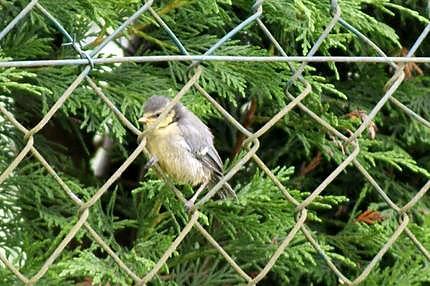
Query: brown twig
x=306 y=169
x=410 y=68
x=370 y=217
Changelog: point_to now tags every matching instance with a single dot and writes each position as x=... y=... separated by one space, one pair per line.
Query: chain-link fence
x=251 y=144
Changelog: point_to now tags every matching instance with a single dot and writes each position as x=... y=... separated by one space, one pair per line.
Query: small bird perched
x=183 y=146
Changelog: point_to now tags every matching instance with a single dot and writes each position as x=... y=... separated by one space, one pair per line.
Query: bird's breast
x=175 y=157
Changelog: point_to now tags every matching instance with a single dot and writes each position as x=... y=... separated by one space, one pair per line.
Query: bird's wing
x=200 y=142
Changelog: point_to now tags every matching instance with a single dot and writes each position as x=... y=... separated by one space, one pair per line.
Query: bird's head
x=152 y=109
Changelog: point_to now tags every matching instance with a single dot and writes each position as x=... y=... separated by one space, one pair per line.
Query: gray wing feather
x=200 y=141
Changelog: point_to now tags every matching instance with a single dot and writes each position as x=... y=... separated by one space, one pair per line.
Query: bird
x=183 y=147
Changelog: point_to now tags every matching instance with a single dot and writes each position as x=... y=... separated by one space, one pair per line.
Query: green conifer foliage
x=139 y=217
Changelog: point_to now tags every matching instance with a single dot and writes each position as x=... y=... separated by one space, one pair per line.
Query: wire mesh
x=251 y=144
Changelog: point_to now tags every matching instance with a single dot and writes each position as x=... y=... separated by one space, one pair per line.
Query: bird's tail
x=226 y=192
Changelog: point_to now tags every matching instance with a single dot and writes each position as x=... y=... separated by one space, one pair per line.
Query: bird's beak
x=144 y=119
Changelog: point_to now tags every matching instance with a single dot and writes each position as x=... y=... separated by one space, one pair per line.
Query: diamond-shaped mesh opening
x=273 y=259
x=56 y=208
x=381 y=232
x=252 y=239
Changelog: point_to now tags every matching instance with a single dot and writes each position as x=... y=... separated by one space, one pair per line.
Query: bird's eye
x=157 y=114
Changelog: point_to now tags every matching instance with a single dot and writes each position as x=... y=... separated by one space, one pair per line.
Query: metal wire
x=199 y=58
x=89 y=59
